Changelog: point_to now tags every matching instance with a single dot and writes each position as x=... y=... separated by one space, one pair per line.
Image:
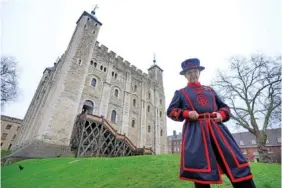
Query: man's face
x=192 y=75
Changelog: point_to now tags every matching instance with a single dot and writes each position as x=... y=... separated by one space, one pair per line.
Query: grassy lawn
x=158 y=171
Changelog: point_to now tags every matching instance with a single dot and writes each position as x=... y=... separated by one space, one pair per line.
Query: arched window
x=148 y=109
x=134 y=102
x=135 y=88
x=149 y=95
x=91 y=62
x=88 y=107
x=133 y=123
x=161 y=101
x=95 y=64
x=161 y=114
x=113 y=116
x=93 y=82
x=161 y=132
x=116 y=92
x=101 y=67
x=149 y=128
x=105 y=69
x=115 y=75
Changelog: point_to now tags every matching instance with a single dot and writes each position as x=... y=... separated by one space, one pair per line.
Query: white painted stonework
x=66 y=86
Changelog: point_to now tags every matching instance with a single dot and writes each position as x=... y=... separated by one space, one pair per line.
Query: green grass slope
x=158 y=171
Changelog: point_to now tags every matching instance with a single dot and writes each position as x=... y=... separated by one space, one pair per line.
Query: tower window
x=87 y=19
x=105 y=69
x=149 y=128
x=133 y=123
x=95 y=64
x=96 y=25
x=161 y=101
x=115 y=75
x=161 y=132
x=160 y=113
x=134 y=102
x=101 y=68
x=113 y=116
x=116 y=92
x=93 y=82
x=149 y=95
x=91 y=62
x=79 y=61
x=135 y=88
x=148 y=109
x=8 y=126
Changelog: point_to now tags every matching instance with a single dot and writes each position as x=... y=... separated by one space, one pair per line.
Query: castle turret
x=156 y=73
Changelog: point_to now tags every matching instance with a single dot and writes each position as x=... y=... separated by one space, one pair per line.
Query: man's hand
x=218 y=117
x=193 y=115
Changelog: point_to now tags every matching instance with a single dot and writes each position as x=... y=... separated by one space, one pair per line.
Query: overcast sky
x=37 y=32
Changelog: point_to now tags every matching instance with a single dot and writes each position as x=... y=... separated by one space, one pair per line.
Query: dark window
x=148 y=109
x=133 y=123
x=101 y=68
x=113 y=116
x=161 y=132
x=135 y=88
x=113 y=73
x=8 y=126
x=94 y=82
x=95 y=64
x=134 y=102
x=105 y=69
x=91 y=62
x=149 y=128
x=116 y=93
x=160 y=113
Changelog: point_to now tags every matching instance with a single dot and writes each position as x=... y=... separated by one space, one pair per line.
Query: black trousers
x=243 y=184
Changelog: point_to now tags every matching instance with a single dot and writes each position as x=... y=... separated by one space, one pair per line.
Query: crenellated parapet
x=120 y=61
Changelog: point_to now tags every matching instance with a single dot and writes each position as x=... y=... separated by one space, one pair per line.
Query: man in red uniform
x=208 y=148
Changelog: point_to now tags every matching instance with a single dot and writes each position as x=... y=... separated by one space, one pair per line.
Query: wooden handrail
x=119 y=136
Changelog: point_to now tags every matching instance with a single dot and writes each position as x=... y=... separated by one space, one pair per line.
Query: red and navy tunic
x=208 y=147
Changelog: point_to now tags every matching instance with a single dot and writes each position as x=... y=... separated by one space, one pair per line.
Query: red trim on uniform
x=214 y=102
x=205 y=150
x=175 y=113
x=188 y=98
x=225 y=108
x=186 y=113
x=223 y=115
x=230 y=150
x=172 y=112
x=224 y=160
x=195 y=84
x=178 y=114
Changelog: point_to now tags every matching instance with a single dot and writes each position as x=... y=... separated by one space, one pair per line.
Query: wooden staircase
x=93 y=136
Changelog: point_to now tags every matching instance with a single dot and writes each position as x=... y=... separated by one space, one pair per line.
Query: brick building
x=245 y=140
x=9 y=129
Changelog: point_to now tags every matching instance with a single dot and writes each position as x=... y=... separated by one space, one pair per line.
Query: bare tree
x=252 y=89
x=9 y=80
